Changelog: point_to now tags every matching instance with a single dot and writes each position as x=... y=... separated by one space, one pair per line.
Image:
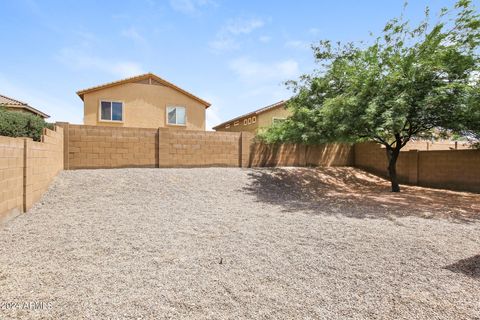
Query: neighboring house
x=15 y=105
x=256 y=120
x=144 y=101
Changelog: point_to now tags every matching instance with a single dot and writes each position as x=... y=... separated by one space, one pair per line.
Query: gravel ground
x=229 y=243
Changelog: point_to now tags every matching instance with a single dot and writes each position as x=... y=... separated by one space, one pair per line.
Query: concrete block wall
x=263 y=155
x=187 y=148
x=44 y=160
x=26 y=170
x=273 y=155
x=452 y=169
x=89 y=147
x=334 y=154
x=111 y=147
x=449 y=169
x=372 y=157
x=11 y=177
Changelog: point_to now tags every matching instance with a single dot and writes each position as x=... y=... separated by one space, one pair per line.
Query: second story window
x=111 y=111
x=176 y=116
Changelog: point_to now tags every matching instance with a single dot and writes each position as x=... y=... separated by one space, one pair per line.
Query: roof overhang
x=146 y=76
x=256 y=112
x=17 y=104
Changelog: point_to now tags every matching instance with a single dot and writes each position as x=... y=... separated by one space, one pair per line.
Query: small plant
x=21 y=124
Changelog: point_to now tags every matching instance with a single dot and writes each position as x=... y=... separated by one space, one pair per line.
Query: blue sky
x=235 y=54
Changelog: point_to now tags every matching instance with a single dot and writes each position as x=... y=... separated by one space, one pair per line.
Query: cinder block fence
x=26 y=169
x=447 y=169
x=115 y=147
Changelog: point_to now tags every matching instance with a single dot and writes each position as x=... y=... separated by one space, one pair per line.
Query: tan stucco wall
x=144 y=106
x=240 y=127
x=264 y=120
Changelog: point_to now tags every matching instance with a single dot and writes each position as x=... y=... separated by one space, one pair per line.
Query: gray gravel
x=147 y=244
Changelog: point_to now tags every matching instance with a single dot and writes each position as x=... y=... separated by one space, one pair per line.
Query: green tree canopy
x=410 y=82
x=21 y=124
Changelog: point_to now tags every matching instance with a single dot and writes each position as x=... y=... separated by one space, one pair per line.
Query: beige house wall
x=144 y=106
x=265 y=119
x=26 y=170
x=262 y=120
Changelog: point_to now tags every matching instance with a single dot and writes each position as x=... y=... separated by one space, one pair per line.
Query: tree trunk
x=392 y=155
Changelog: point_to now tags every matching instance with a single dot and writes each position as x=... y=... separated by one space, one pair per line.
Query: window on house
x=254 y=119
x=227 y=126
x=176 y=116
x=245 y=122
x=236 y=123
x=249 y=120
x=111 y=111
x=277 y=120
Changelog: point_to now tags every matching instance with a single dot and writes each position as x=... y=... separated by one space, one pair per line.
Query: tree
x=21 y=124
x=408 y=83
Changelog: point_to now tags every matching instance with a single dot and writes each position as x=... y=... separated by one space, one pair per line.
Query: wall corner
x=66 y=139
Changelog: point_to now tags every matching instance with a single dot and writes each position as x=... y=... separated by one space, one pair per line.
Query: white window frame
x=111 y=111
x=245 y=122
x=236 y=123
x=277 y=118
x=175 y=124
x=254 y=119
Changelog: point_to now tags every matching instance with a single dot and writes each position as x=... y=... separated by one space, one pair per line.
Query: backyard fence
x=27 y=167
x=447 y=169
x=89 y=147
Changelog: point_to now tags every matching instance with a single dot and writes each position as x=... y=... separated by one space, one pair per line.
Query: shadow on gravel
x=469 y=267
x=354 y=193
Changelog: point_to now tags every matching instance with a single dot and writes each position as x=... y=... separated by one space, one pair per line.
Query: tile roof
x=10 y=102
x=13 y=103
x=81 y=93
x=256 y=112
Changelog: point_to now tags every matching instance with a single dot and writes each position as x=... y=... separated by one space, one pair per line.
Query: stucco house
x=16 y=105
x=256 y=120
x=144 y=101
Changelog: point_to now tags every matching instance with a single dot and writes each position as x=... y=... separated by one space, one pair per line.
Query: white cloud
x=133 y=34
x=296 y=44
x=227 y=38
x=224 y=43
x=78 y=59
x=191 y=7
x=314 y=31
x=253 y=72
x=264 y=39
x=243 y=26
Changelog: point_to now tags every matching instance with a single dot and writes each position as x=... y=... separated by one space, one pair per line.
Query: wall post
x=66 y=142
x=413 y=167
x=245 y=147
x=27 y=174
x=302 y=156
